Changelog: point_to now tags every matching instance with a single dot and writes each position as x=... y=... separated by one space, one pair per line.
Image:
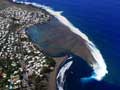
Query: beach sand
x=57 y=38
x=53 y=74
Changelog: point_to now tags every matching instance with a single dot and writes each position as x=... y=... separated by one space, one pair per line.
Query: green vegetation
x=8 y=70
x=50 y=61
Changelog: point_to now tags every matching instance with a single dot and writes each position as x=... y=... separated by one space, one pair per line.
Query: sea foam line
x=100 y=68
x=61 y=75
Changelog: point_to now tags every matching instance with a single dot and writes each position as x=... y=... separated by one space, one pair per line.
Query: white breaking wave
x=100 y=69
x=61 y=75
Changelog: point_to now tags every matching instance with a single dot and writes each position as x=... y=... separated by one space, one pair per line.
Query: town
x=21 y=58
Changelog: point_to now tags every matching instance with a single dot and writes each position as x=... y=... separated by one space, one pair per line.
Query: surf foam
x=100 y=69
x=61 y=75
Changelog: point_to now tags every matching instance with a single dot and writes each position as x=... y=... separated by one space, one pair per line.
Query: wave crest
x=100 y=68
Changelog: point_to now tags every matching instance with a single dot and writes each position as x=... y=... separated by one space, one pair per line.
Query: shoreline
x=29 y=53
x=53 y=74
x=60 y=36
x=86 y=49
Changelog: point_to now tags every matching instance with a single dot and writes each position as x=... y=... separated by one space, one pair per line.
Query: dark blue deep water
x=100 y=21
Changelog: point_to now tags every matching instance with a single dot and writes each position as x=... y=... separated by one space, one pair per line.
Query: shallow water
x=100 y=20
x=74 y=77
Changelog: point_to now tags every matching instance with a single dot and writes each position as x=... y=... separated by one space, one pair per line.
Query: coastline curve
x=96 y=62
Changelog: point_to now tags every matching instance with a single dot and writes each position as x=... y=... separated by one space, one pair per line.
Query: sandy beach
x=58 y=37
x=52 y=79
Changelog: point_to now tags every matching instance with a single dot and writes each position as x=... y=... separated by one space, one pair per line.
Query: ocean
x=100 y=21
